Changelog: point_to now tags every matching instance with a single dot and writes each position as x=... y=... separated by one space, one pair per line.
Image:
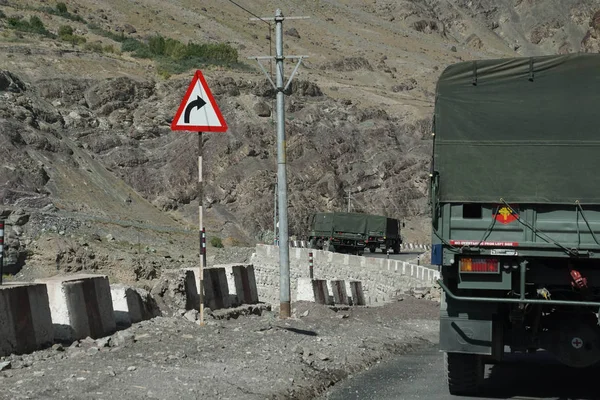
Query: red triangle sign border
x=199 y=128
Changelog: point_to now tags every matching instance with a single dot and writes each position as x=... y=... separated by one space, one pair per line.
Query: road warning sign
x=198 y=111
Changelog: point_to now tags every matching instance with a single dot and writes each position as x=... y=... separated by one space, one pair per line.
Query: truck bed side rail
x=520 y=300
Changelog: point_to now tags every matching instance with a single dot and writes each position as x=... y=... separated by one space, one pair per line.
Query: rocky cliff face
x=122 y=125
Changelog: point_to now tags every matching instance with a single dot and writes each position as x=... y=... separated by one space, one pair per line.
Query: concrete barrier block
x=216 y=289
x=234 y=301
x=191 y=287
x=127 y=306
x=132 y=305
x=81 y=306
x=339 y=292
x=320 y=291
x=25 y=320
x=245 y=284
x=348 y=292
x=305 y=291
x=358 y=296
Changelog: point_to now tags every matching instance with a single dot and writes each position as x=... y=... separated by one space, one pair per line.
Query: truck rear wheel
x=465 y=373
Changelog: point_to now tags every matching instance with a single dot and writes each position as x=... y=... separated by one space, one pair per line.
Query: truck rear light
x=469 y=264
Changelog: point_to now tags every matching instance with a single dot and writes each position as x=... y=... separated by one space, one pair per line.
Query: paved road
x=421 y=376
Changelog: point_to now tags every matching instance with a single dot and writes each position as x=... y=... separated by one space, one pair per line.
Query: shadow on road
x=540 y=376
x=299 y=331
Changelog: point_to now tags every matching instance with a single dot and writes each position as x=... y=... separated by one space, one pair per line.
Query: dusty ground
x=249 y=357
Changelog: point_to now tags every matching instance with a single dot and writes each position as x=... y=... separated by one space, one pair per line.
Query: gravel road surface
x=243 y=357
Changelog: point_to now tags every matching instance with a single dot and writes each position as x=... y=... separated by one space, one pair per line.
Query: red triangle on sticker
x=198 y=111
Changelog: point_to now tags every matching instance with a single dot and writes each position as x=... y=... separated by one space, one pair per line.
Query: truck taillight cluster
x=469 y=264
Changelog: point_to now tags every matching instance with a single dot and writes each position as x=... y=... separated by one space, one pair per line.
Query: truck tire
x=465 y=373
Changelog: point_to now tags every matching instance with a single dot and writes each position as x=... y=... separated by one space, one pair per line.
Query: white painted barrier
x=80 y=306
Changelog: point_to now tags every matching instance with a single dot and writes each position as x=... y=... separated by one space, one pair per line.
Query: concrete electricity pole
x=284 y=259
x=349 y=197
x=275 y=216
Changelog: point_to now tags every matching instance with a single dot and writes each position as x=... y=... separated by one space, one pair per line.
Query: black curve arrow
x=198 y=103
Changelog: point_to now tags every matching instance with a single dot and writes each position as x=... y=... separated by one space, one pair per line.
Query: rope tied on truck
x=537 y=232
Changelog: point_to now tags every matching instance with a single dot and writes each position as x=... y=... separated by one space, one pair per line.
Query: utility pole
x=349 y=197
x=284 y=259
x=275 y=215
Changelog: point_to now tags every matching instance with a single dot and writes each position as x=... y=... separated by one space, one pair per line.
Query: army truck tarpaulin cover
x=515 y=194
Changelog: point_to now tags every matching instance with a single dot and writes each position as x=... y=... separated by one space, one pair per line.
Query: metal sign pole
x=199 y=112
x=202 y=232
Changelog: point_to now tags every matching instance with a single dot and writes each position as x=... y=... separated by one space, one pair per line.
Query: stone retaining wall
x=381 y=278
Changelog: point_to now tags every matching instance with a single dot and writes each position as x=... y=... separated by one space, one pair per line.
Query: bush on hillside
x=34 y=25
x=96 y=47
x=216 y=242
x=61 y=11
x=65 y=33
x=61 y=8
x=173 y=56
x=65 y=30
x=117 y=37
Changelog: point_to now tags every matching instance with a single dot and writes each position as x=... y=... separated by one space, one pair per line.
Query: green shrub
x=117 y=37
x=216 y=242
x=156 y=45
x=163 y=74
x=110 y=49
x=34 y=25
x=73 y=39
x=65 y=30
x=96 y=47
x=137 y=48
x=61 y=11
x=61 y=8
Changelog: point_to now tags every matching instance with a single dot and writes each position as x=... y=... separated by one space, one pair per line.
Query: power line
x=250 y=12
x=266 y=22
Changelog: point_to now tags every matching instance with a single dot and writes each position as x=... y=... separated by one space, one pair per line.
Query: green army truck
x=515 y=196
x=338 y=231
x=383 y=233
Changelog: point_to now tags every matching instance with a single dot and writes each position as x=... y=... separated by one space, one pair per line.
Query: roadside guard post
x=310 y=265
x=199 y=112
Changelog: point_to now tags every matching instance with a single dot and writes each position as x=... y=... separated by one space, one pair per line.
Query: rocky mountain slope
x=85 y=125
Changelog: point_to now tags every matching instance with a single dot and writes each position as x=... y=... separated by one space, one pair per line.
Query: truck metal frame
x=514 y=235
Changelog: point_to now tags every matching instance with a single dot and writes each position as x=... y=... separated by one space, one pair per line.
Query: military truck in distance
x=383 y=233
x=515 y=197
x=338 y=231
